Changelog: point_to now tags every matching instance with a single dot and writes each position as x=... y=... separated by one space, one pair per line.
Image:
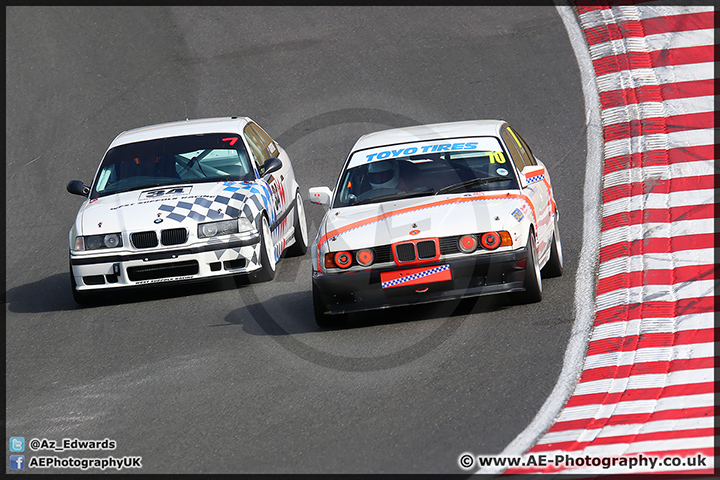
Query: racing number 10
x=497 y=157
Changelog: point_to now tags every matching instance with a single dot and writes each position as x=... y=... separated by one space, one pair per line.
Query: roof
x=468 y=128
x=183 y=127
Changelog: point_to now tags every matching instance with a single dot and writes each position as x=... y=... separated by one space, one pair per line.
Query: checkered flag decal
x=234 y=201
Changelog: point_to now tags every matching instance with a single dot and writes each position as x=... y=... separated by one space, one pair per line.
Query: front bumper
x=153 y=266
x=484 y=274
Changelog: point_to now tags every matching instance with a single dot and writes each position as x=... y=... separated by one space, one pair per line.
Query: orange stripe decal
x=449 y=201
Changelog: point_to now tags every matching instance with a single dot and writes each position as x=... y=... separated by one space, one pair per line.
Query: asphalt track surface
x=227 y=377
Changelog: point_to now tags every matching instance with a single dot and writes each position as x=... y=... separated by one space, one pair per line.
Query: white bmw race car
x=434 y=212
x=185 y=201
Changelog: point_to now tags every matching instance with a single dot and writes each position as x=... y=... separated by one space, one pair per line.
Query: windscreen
x=167 y=161
x=425 y=168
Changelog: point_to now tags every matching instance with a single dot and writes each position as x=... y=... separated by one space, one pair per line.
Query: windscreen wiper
x=395 y=196
x=469 y=183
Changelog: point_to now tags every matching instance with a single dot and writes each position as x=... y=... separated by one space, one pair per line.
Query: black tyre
x=554 y=265
x=267 y=253
x=299 y=248
x=533 y=280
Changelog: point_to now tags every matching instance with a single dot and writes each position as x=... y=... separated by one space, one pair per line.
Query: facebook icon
x=17 y=462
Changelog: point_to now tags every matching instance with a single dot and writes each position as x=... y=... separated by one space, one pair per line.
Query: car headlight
x=224 y=227
x=97 y=242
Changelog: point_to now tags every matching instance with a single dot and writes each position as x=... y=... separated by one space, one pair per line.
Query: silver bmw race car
x=434 y=212
x=185 y=201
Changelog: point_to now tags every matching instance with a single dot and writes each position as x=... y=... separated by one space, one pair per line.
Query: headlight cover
x=97 y=242
x=224 y=227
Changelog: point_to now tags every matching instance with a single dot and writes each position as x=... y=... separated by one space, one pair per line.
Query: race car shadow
x=53 y=294
x=292 y=313
x=50 y=294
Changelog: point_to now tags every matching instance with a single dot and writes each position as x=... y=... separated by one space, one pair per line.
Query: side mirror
x=271 y=165
x=76 y=187
x=320 y=195
x=531 y=174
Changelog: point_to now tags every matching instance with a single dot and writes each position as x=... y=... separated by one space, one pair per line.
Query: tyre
x=533 y=280
x=323 y=320
x=267 y=253
x=299 y=248
x=554 y=265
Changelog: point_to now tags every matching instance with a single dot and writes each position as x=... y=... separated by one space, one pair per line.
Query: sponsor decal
x=164 y=192
x=163 y=280
x=501 y=171
x=518 y=214
x=437 y=147
x=415 y=276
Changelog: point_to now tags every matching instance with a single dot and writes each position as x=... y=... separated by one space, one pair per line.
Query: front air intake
x=173 y=236
x=144 y=239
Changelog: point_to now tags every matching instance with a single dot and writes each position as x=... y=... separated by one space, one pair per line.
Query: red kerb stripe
x=658 y=245
x=660 y=157
x=685 y=306
x=692 y=273
x=659 y=125
x=658 y=215
x=650 y=340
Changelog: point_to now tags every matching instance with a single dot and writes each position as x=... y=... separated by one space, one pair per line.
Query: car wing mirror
x=77 y=187
x=271 y=165
x=320 y=195
x=530 y=174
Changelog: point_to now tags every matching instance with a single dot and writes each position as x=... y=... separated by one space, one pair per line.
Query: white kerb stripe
x=659 y=200
x=633 y=382
x=645 y=110
x=636 y=407
x=658 y=172
x=609 y=431
x=656 y=293
x=642 y=77
x=637 y=326
x=644 y=231
x=651 y=354
x=657 y=261
x=651 y=43
x=659 y=141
